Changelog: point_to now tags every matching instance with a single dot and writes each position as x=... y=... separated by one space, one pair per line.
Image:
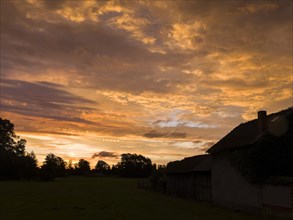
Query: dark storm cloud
x=82 y=47
x=42 y=99
x=54 y=5
x=105 y=154
x=156 y=134
x=42 y=92
x=254 y=26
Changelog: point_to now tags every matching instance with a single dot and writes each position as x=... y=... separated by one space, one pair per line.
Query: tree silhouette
x=102 y=167
x=133 y=165
x=15 y=163
x=70 y=168
x=29 y=168
x=83 y=167
x=115 y=170
x=53 y=166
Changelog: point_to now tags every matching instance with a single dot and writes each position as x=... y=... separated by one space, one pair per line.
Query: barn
x=190 y=178
x=250 y=168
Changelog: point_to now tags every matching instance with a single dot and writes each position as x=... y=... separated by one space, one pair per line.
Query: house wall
x=202 y=186
x=180 y=185
x=278 y=196
x=196 y=185
x=230 y=188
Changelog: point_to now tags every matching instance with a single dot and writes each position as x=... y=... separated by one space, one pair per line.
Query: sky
x=165 y=79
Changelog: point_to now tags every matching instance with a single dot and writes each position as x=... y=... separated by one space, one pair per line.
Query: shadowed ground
x=101 y=198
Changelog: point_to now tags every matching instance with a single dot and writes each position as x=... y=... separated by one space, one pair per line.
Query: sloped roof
x=246 y=133
x=190 y=164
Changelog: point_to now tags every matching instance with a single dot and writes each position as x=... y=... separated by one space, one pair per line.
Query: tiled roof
x=190 y=164
x=246 y=133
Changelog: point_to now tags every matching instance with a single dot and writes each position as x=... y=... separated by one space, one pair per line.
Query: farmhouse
x=243 y=169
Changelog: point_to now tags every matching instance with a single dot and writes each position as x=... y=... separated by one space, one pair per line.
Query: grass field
x=101 y=198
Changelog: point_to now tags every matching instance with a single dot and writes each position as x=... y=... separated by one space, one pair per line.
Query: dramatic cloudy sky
x=166 y=79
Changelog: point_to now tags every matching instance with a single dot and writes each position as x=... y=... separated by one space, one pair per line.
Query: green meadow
x=101 y=198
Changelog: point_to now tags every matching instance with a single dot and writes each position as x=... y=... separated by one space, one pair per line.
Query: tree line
x=16 y=163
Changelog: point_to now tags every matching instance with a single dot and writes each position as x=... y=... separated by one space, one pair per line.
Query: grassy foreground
x=101 y=198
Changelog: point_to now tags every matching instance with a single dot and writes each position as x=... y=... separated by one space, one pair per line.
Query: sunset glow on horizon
x=165 y=79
